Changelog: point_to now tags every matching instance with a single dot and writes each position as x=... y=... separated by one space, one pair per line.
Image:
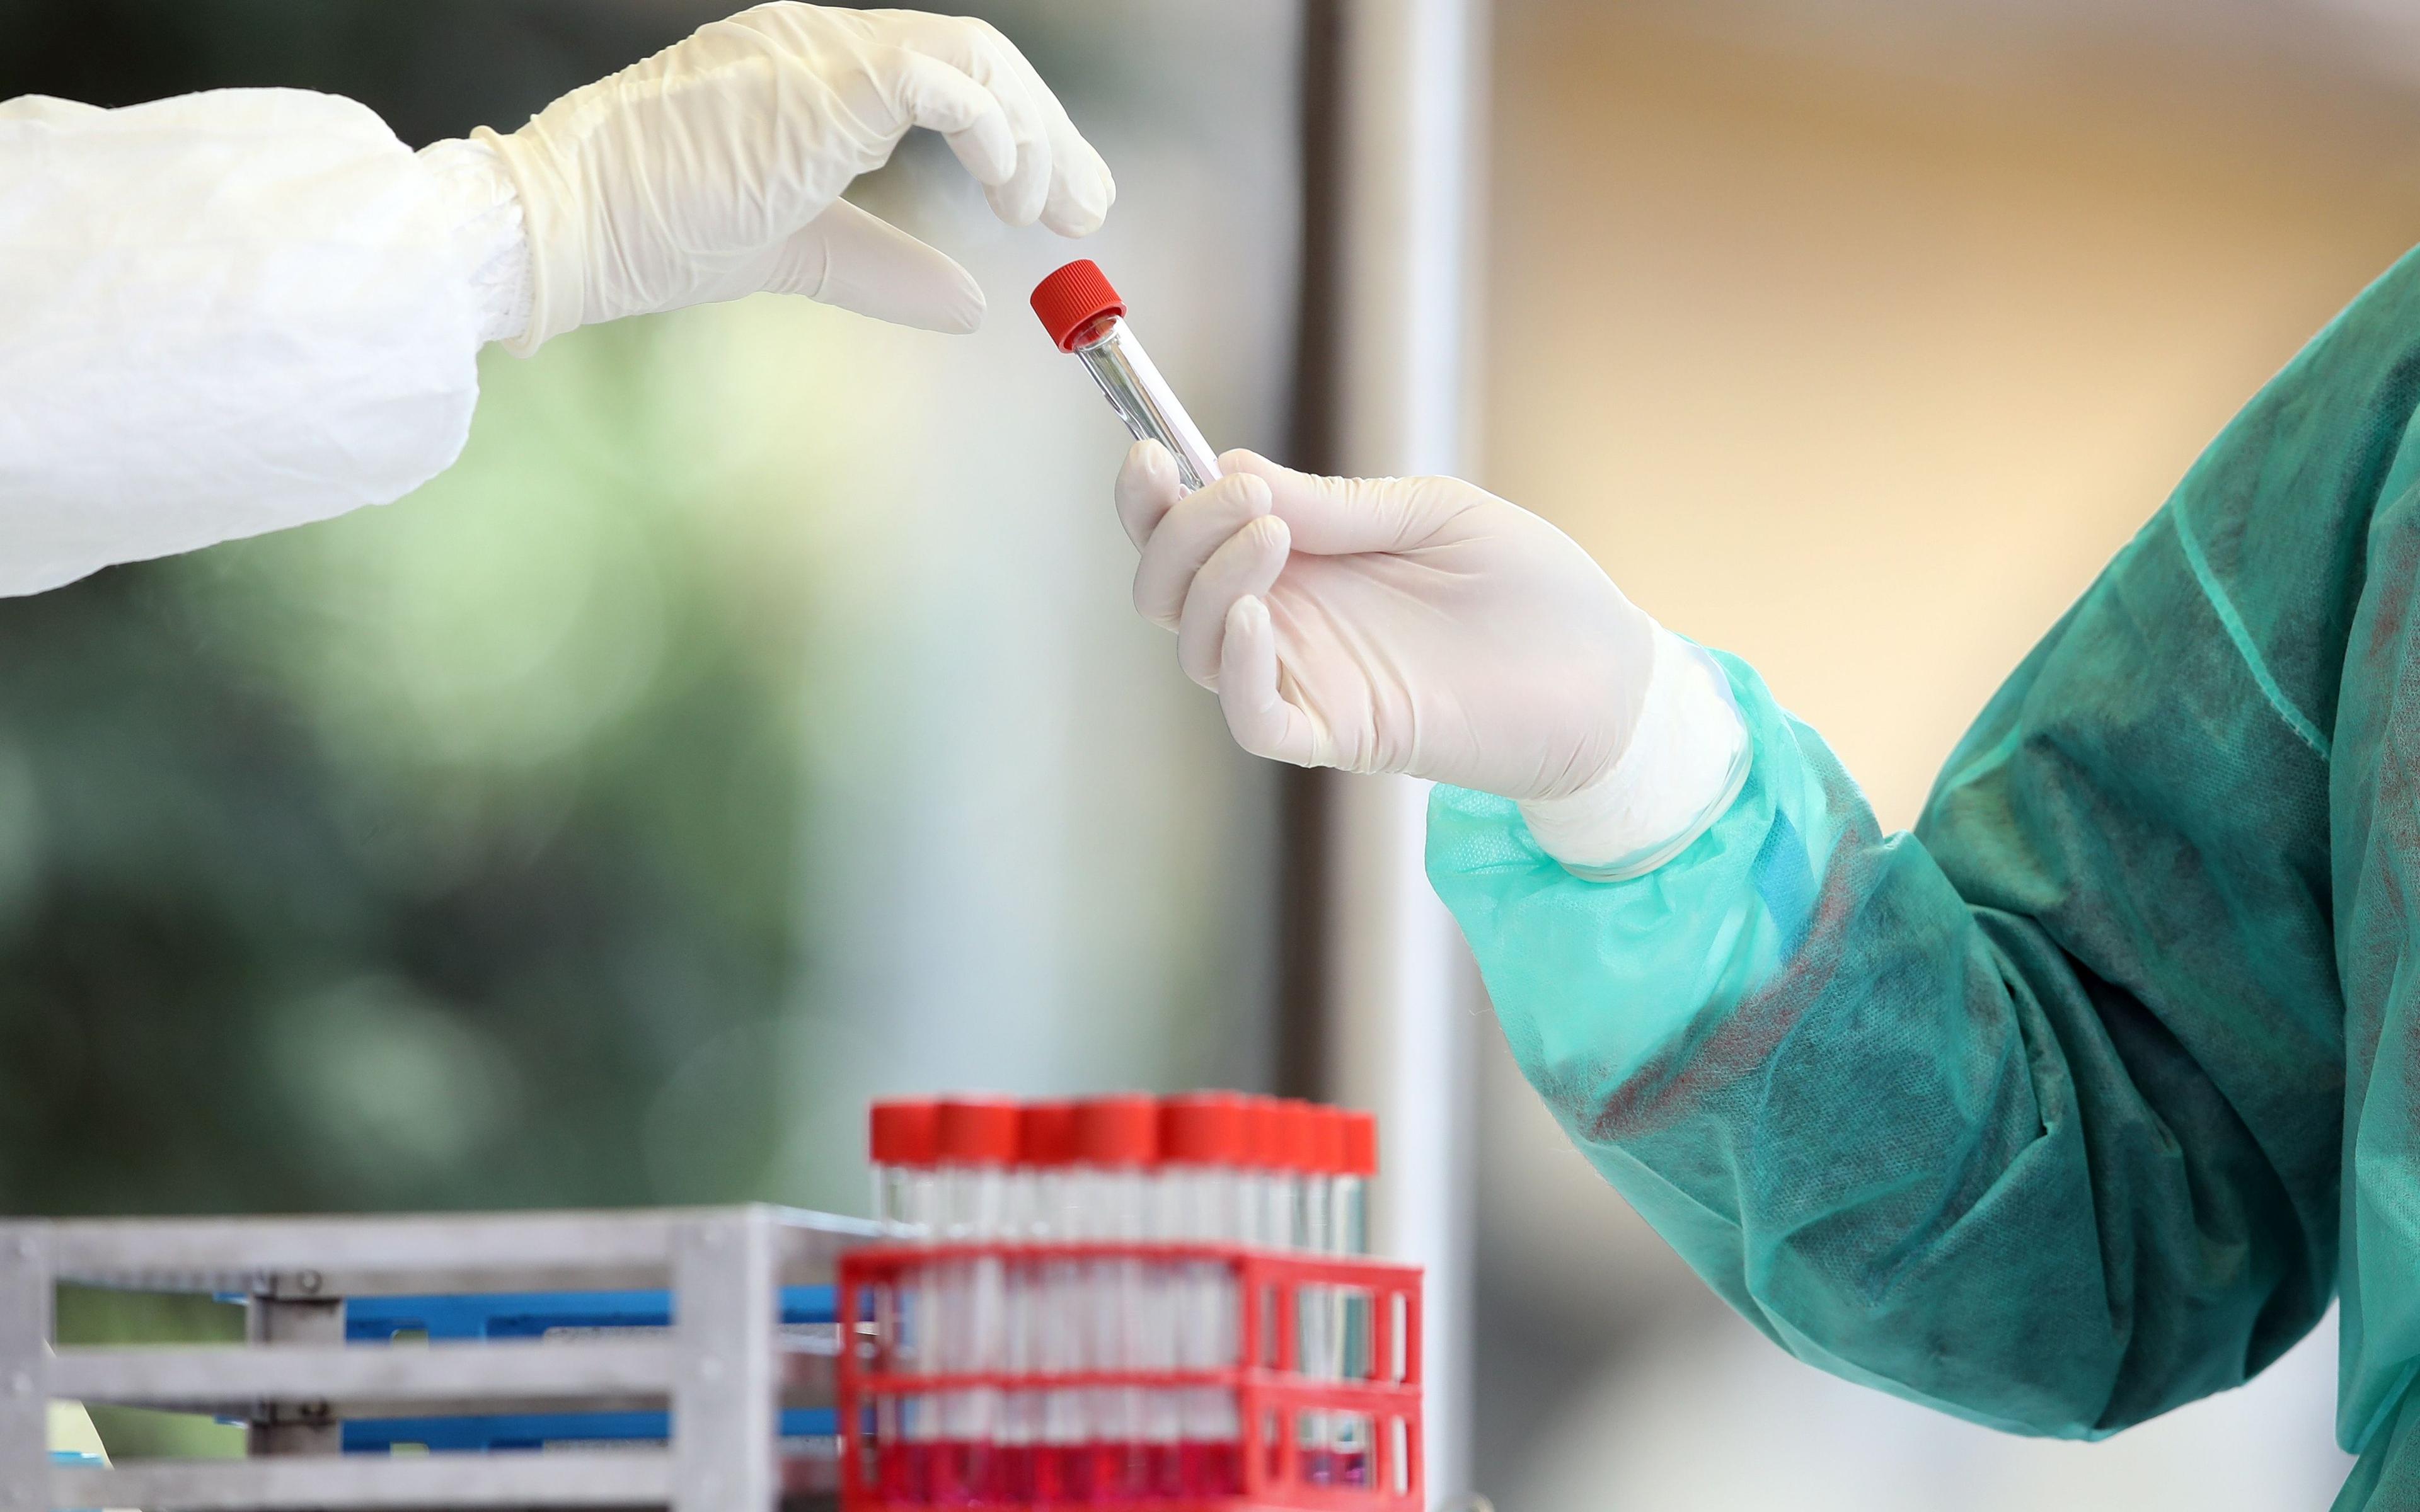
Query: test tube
x=902 y=1147
x=1204 y=1144
x=1349 y=1227
x=1117 y=1147
x=1086 y=317
x=1054 y=1297
x=977 y=1140
x=1279 y=1222
x=1321 y=1155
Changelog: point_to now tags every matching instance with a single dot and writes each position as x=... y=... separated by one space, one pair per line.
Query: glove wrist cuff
x=556 y=289
x=1687 y=758
x=485 y=212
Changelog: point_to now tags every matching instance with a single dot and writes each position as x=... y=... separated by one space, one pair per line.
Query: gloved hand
x=1425 y=626
x=714 y=169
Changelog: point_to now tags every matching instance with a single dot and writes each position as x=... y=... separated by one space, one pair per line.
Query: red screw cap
x=1047 y=1134
x=1117 y=1130
x=1360 y=1143
x=903 y=1131
x=1300 y=1121
x=1205 y=1129
x=1326 y=1141
x=1269 y=1129
x=978 y=1131
x=1073 y=298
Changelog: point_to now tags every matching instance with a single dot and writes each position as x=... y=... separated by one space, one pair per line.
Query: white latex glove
x=714 y=169
x=1423 y=625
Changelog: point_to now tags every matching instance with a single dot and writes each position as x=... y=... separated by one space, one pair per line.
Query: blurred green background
x=751 y=722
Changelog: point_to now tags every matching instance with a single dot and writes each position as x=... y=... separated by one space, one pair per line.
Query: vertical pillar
x=1401 y=996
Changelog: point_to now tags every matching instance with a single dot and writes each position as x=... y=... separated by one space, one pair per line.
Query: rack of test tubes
x=1127 y=1301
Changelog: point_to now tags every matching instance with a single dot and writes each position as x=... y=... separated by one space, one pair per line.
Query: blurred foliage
x=87 y=1317
x=392 y=863
x=480 y=851
x=407 y=886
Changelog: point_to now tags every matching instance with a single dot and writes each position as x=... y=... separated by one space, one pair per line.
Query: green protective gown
x=2080 y=1102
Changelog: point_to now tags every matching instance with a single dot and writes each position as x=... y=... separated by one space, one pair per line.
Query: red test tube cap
x=1205 y=1129
x=1326 y=1141
x=1046 y=1134
x=977 y=1130
x=1360 y=1143
x=903 y=1131
x=1271 y=1130
x=1117 y=1130
x=1073 y=298
x=1300 y=1125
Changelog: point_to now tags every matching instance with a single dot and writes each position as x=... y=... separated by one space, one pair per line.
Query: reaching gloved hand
x=1425 y=626
x=714 y=169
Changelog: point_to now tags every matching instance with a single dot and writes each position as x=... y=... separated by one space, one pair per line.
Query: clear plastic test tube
x=1274 y=1140
x=1319 y=1311
x=903 y=1149
x=1086 y=317
x=978 y=1147
x=1053 y=1422
x=900 y=1146
x=1349 y=1229
x=1117 y=1147
x=1204 y=1144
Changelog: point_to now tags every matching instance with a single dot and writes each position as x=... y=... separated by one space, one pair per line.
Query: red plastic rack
x=1273 y=1464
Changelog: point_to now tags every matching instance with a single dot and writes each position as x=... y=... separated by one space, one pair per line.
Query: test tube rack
x=1273 y=1389
x=700 y=1336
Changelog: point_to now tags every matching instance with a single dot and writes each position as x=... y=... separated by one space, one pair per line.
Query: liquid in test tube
x=1086 y=317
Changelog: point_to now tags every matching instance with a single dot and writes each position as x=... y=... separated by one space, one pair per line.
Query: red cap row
x=1234 y=1129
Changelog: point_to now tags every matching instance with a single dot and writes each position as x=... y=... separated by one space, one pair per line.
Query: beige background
x=1861 y=369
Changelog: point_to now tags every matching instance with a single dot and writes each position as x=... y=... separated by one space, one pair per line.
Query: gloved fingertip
x=1074 y=227
x=1242 y=462
x=965 y=316
x=1072 y=217
x=1147 y=459
x=1246 y=674
x=1018 y=201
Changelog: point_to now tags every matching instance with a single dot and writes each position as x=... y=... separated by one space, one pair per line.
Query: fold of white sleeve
x=224 y=314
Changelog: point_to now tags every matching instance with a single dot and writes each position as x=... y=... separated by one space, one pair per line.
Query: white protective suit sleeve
x=228 y=313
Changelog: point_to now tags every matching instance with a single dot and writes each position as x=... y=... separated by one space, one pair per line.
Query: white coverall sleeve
x=227 y=313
